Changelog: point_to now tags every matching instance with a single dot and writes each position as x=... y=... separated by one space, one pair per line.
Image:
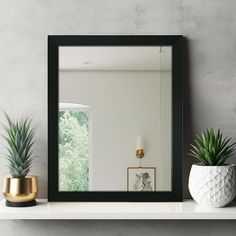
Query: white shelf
x=187 y=210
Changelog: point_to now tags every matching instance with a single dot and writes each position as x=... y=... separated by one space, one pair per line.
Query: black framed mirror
x=115 y=118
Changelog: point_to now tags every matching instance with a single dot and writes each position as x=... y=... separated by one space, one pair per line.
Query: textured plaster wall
x=210 y=83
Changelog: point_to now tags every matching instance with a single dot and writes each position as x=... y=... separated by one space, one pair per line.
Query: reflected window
x=73 y=147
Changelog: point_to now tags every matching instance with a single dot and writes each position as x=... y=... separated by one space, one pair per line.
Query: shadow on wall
x=187 y=118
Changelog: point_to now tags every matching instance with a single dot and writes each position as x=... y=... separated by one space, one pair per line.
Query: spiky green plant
x=211 y=149
x=19 y=137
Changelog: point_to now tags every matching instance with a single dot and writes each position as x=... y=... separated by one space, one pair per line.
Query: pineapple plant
x=212 y=181
x=19 y=137
x=19 y=188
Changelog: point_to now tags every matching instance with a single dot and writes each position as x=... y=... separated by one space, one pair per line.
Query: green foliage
x=73 y=150
x=211 y=149
x=19 y=136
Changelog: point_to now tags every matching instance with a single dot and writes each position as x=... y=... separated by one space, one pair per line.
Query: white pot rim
x=203 y=166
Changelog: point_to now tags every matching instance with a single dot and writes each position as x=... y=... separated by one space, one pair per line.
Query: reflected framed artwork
x=115 y=102
x=141 y=179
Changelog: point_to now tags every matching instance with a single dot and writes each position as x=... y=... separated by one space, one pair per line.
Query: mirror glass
x=115 y=105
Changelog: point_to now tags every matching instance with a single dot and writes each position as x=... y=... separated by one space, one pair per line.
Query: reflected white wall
x=124 y=104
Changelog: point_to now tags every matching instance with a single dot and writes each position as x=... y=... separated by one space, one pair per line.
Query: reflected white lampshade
x=139 y=143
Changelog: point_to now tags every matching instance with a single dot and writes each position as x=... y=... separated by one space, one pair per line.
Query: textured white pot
x=212 y=186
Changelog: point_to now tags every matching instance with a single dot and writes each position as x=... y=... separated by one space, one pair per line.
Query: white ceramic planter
x=212 y=186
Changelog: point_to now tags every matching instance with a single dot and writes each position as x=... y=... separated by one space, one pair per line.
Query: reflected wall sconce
x=139 y=148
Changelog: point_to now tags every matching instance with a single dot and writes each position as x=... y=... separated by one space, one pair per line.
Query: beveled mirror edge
x=54 y=41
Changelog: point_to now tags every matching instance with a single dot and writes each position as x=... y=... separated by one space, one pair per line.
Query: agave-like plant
x=19 y=136
x=211 y=149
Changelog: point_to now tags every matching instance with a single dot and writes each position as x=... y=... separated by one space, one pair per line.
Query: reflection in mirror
x=115 y=118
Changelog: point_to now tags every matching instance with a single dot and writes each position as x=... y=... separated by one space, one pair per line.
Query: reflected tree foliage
x=73 y=150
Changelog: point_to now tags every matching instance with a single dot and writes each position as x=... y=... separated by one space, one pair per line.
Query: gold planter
x=20 y=191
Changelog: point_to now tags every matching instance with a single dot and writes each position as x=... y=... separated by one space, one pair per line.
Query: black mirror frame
x=54 y=42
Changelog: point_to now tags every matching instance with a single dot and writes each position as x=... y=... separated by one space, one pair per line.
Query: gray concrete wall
x=210 y=84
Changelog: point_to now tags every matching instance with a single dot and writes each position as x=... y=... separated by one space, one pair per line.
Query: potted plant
x=19 y=189
x=212 y=182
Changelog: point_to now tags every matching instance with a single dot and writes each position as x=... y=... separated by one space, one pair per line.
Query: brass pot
x=20 y=190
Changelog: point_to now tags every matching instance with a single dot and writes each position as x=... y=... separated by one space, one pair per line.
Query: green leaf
x=19 y=136
x=211 y=148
